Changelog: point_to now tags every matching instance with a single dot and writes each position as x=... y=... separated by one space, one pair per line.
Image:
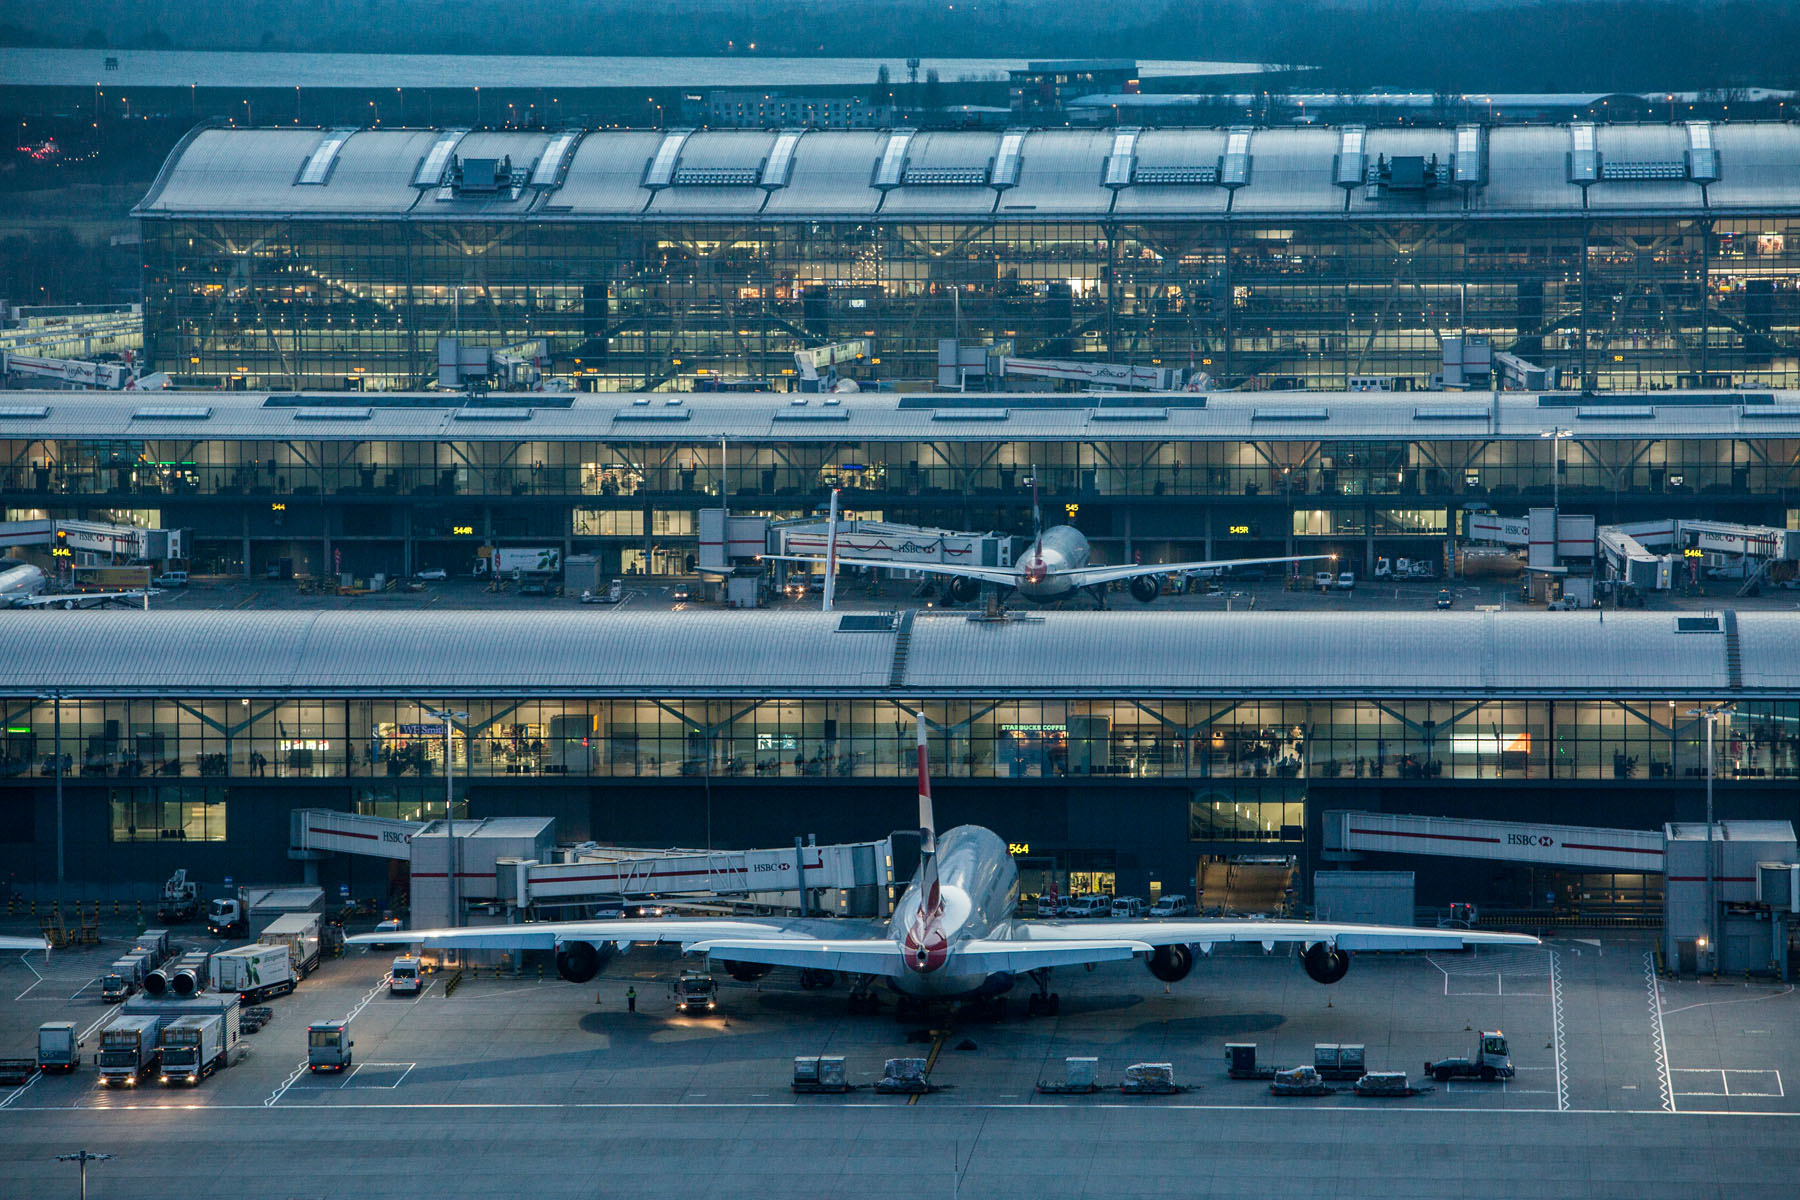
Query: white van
x=170 y=579
x=1087 y=906
x=1127 y=906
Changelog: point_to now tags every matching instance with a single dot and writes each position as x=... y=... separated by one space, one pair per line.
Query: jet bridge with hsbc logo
x=514 y=863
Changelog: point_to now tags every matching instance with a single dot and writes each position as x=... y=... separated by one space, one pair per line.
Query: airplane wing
x=23 y=943
x=1088 y=576
x=81 y=599
x=994 y=955
x=712 y=934
x=862 y=956
x=1207 y=933
x=1002 y=575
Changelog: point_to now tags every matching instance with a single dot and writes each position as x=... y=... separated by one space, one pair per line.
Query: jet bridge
x=1577 y=846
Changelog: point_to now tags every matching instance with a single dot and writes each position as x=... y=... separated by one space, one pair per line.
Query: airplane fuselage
x=1045 y=564
x=18 y=579
x=979 y=889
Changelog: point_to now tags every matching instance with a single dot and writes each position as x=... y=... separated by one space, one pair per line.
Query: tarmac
x=1628 y=1085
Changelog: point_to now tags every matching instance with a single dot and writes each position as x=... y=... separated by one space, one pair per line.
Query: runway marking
x=84 y=987
x=937 y=1048
x=1556 y=1032
x=1751 y=1079
x=1659 y=1045
x=1669 y=1012
x=22 y=1089
x=380 y=985
x=98 y=1022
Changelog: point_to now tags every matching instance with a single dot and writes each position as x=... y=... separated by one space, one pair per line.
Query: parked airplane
x=953 y=935
x=19 y=580
x=1055 y=566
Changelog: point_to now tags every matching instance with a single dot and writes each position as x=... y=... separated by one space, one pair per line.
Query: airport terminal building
x=336 y=484
x=1624 y=256
x=1114 y=749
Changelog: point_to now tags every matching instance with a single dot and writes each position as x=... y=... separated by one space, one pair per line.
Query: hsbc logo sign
x=1530 y=839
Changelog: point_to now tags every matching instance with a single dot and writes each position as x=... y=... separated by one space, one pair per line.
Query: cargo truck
x=224 y=1006
x=255 y=973
x=59 y=1049
x=328 y=1046
x=126 y=975
x=299 y=932
x=253 y=909
x=129 y=1048
x=192 y=1048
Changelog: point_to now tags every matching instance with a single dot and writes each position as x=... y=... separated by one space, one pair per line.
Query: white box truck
x=59 y=1049
x=254 y=972
x=129 y=1048
x=192 y=1048
x=254 y=908
x=299 y=932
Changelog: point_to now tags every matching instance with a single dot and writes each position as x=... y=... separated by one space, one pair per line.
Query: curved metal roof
x=1061 y=174
x=757 y=655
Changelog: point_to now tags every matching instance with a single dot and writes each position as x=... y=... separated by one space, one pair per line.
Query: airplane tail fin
x=927 y=822
x=1037 y=516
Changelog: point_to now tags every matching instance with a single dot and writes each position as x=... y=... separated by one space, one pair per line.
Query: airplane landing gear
x=1043 y=1002
x=861 y=1000
x=1098 y=591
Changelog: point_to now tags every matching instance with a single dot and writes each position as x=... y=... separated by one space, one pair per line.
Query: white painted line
x=378 y=1065
x=33 y=984
x=1658 y=1044
x=1752 y=1082
x=21 y=1089
x=275 y=1096
x=84 y=987
x=98 y=1022
x=1556 y=1033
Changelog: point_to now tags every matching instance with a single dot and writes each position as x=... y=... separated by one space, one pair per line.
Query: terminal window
x=175 y=812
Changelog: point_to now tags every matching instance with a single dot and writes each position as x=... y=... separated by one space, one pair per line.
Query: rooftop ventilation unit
x=553 y=163
x=1584 y=155
x=437 y=159
x=1469 y=164
x=660 y=171
x=317 y=170
x=944 y=176
x=1175 y=175
x=778 y=168
x=890 y=168
x=481 y=176
x=1702 y=155
x=1351 y=163
x=1005 y=172
x=1234 y=167
x=1405 y=174
x=1121 y=164
x=716 y=176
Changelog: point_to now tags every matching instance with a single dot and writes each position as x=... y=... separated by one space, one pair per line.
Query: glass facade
x=1246 y=752
x=1616 y=302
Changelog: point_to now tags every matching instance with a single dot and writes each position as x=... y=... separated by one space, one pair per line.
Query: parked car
x=1172 y=906
x=1346 y=581
x=1323 y=580
x=679 y=593
x=1127 y=906
x=1047 y=906
x=1080 y=907
x=170 y=579
x=1444 y=598
x=433 y=573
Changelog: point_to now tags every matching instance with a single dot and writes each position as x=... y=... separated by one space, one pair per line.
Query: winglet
x=927 y=823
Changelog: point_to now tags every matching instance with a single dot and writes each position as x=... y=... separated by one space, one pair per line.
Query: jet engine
x=1325 y=963
x=1171 y=964
x=962 y=589
x=579 y=962
x=747 y=972
x=1145 y=588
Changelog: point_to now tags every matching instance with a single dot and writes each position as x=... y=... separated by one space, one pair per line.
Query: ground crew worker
x=630 y=999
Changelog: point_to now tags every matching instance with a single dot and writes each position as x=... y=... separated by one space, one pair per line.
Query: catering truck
x=129 y=1048
x=299 y=932
x=192 y=1048
x=255 y=973
x=253 y=909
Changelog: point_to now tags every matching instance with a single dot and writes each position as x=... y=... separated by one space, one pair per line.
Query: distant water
x=178 y=68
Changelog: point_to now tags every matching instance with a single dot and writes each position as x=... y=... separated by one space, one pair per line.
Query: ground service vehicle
x=1346 y=581
x=58 y=1048
x=253 y=909
x=129 y=1048
x=1127 y=906
x=1490 y=1062
x=170 y=579
x=404 y=979
x=255 y=973
x=1324 y=580
x=180 y=900
x=1445 y=598
x=300 y=933
x=1172 y=906
x=192 y=1048
x=121 y=979
x=328 y=1046
x=1083 y=907
x=695 y=993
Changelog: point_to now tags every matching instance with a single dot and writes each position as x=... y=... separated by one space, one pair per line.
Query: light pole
x=449 y=716
x=1711 y=714
x=1556 y=437
x=83 y=1157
